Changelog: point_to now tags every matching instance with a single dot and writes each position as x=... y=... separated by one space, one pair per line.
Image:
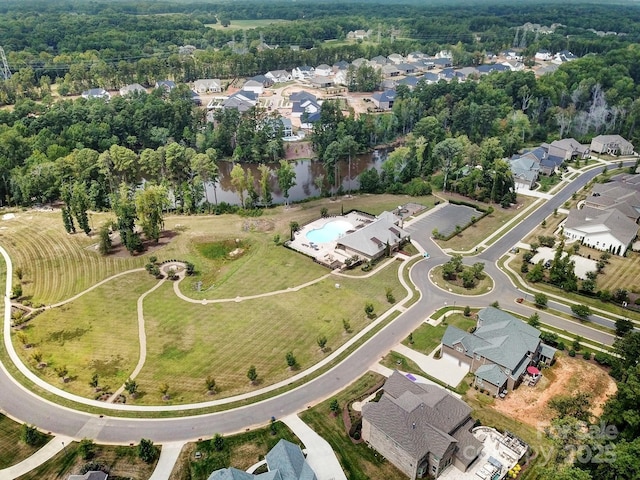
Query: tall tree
x=265 y=187
x=286 y=179
x=239 y=181
x=151 y=203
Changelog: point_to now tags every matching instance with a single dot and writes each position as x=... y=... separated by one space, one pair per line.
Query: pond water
x=307 y=171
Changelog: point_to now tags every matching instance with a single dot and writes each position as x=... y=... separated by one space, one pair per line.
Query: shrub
x=147 y=451
x=603 y=359
x=561 y=346
x=586 y=355
x=30 y=435
x=572 y=353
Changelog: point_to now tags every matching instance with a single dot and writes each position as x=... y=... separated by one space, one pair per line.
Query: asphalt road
x=25 y=406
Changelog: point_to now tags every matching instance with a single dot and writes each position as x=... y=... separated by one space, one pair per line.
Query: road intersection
x=22 y=404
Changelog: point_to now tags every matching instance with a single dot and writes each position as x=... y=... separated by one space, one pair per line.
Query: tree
x=86 y=447
x=16 y=291
x=467 y=311
x=265 y=187
x=577 y=406
x=368 y=309
x=541 y=300
x=623 y=326
x=94 y=381
x=239 y=182
x=252 y=374
x=334 y=406
x=293 y=227
x=346 y=325
x=30 y=435
x=581 y=311
x=478 y=269
x=448 y=152
x=218 y=442
x=322 y=342
x=125 y=209
x=104 y=240
x=468 y=278
x=147 y=451
x=291 y=360
x=150 y=203
x=534 y=320
x=131 y=386
x=205 y=167
x=164 y=390
x=565 y=473
x=210 y=383
x=286 y=179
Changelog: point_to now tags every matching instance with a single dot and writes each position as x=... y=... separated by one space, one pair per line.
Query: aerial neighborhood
x=319 y=240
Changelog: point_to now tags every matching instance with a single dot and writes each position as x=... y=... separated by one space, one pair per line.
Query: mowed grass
x=122 y=462
x=13 y=449
x=97 y=333
x=56 y=265
x=358 y=461
x=427 y=337
x=187 y=342
x=482 y=286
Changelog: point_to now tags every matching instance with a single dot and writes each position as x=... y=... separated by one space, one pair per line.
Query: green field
x=13 y=449
x=247 y=24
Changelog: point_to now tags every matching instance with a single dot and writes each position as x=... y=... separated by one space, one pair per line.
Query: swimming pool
x=329 y=232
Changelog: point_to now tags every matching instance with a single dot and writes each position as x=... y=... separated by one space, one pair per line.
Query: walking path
x=55 y=446
x=320 y=456
x=168 y=457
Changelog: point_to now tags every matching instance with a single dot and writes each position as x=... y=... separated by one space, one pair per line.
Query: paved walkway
x=168 y=457
x=320 y=456
x=52 y=448
x=442 y=369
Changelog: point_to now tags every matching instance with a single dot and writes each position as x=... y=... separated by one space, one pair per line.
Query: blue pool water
x=329 y=232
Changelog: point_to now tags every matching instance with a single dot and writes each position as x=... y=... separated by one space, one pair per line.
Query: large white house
x=608 y=230
x=611 y=145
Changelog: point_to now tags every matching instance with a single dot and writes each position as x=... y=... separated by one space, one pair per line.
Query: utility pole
x=5 y=73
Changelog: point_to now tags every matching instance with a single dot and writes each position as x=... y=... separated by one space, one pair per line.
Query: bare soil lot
x=530 y=405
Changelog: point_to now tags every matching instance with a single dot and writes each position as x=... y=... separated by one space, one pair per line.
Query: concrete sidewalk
x=168 y=457
x=43 y=455
x=320 y=456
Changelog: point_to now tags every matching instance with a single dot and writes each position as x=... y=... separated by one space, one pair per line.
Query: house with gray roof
x=611 y=145
x=131 y=89
x=420 y=428
x=498 y=351
x=168 y=85
x=609 y=230
x=207 y=85
x=390 y=70
x=384 y=100
x=568 y=149
x=623 y=196
x=371 y=239
x=285 y=461
x=100 y=93
x=525 y=172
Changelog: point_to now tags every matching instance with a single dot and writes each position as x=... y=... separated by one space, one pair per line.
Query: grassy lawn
x=80 y=335
x=240 y=451
x=247 y=24
x=427 y=337
x=13 y=449
x=397 y=361
x=57 y=265
x=122 y=462
x=482 y=286
x=483 y=228
x=358 y=461
x=187 y=342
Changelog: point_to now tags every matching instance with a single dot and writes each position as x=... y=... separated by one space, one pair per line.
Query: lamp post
x=64 y=448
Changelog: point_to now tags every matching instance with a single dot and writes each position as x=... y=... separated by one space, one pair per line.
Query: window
x=459 y=348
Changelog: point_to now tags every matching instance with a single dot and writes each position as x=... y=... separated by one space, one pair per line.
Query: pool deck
x=325 y=253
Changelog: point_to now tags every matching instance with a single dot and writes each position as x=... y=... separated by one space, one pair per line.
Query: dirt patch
x=298 y=150
x=530 y=405
x=247 y=454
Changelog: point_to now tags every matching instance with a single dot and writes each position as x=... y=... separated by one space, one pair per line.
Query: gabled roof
x=341 y=65
x=323 y=66
x=253 y=83
x=409 y=81
x=592 y=220
x=420 y=418
x=168 y=84
x=492 y=374
x=289 y=461
x=373 y=237
x=231 y=474
x=386 y=96
x=301 y=96
x=91 y=475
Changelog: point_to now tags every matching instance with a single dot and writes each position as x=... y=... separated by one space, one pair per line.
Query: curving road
x=19 y=403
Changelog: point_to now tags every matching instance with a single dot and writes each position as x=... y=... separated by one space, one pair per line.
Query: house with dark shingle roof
x=384 y=100
x=285 y=461
x=498 y=351
x=420 y=428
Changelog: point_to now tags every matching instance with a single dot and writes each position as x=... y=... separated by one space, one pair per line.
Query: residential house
x=323 y=70
x=388 y=84
x=133 y=88
x=443 y=62
x=285 y=461
x=90 y=475
x=303 y=102
x=420 y=428
x=302 y=73
x=263 y=79
x=563 y=57
x=498 y=351
x=609 y=230
x=168 y=85
x=430 y=77
x=611 y=145
x=424 y=65
x=370 y=241
x=341 y=65
x=485 y=69
x=406 y=68
x=321 y=82
x=619 y=195
x=396 y=58
x=514 y=65
x=511 y=55
x=379 y=60
x=207 y=85
x=467 y=72
x=415 y=56
x=568 y=149
x=358 y=62
x=341 y=77
x=525 y=172
x=410 y=82
x=390 y=70
x=548 y=164
x=96 y=93
x=287 y=128
x=384 y=100
x=359 y=34
x=253 y=86
x=307 y=120
x=242 y=101
x=543 y=55
x=279 y=76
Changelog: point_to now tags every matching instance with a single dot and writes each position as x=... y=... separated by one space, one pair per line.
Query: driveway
x=443 y=369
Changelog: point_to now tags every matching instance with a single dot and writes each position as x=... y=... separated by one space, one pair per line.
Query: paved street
x=24 y=405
